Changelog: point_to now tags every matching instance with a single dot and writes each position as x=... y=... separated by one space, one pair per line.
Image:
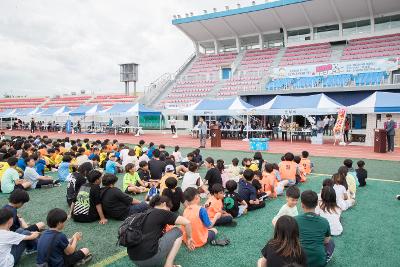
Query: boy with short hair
x=234 y=170
x=301 y=173
x=214 y=206
x=233 y=203
x=315 y=232
x=248 y=192
x=37 y=180
x=138 y=148
x=270 y=184
x=143 y=171
x=306 y=162
x=16 y=201
x=362 y=173
x=63 y=168
x=169 y=172
x=174 y=193
x=290 y=208
x=112 y=165
x=55 y=249
x=12 y=244
x=202 y=227
x=10 y=180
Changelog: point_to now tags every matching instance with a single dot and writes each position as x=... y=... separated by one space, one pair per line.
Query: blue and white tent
x=23 y=112
x=55 y=111
x=126 y=110
x=8 y=113
x=86 y=110
x=219 y=107
x=378 y=102
x=318 y=104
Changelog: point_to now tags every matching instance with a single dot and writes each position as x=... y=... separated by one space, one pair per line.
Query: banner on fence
x=348 y=67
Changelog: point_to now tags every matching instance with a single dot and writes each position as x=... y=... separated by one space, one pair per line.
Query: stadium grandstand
x=347 y=51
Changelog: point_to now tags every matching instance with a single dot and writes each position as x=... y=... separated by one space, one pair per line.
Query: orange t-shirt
x=43 y=151
x=213 y=206
x=269 y=183
x=287 y=169
x=199 y=230
x=306 y=163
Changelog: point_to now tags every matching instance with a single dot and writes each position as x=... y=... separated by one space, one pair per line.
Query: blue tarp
x=8 y=113
x=52 y=111
x=85 y=110
x=130 y=110
x=378 y=102
x=219 y=107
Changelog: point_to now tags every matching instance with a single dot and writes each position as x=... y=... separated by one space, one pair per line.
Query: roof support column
x=285 y=37
x=371 y=15
x=340 y=29
x=260 y=37
x=237 y=44
x=311 y=33
x=216 y=47
x=196 y=47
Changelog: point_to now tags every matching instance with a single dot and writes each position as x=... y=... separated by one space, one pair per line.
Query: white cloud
x=50 y=47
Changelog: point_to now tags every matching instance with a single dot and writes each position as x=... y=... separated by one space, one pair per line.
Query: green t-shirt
x=130 y=179
x=8 y=180
x=313 y=230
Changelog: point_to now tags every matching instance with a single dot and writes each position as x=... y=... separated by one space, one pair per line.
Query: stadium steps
x=165 y=90
x=337 y=52
x=237 y=63
x=217 y=87
x=278 y=58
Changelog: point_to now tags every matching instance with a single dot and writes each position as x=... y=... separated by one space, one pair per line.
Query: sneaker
x=85 y=260
x=56 y=184
x=30 y=251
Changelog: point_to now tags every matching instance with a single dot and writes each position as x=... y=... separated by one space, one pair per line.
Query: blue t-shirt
x=16 y=224
x=247 y=191
x=111 y=167
x=57 y=253
x=204 y=217
x=63 y=171
x=150 y=152
x=21 y=164
x=40 y=166
x=91 y=156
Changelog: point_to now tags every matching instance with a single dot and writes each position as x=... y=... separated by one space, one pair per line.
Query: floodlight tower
x=129 y=73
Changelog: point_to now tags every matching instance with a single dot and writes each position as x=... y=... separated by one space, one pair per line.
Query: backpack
x=229 y=202
x=130 y=232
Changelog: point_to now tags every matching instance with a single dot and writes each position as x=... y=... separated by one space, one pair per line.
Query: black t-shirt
x=74 y=185
x=231 y=203
x=115 y=203
x=175 y=197
x=276 y=260
x=144 y=175
x=213 y=176
x=88 y=194
x=256 y=183
x=157 y=168
x=153 y=228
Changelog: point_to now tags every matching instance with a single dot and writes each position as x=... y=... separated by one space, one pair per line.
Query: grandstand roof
x=287 y=14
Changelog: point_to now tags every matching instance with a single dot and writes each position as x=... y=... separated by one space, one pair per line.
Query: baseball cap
x=169 y=168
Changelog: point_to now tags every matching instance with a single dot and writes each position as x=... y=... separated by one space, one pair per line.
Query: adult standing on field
x=390 y=132
x=202 y=126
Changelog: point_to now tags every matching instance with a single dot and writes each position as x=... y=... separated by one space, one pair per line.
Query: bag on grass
x=130 y=232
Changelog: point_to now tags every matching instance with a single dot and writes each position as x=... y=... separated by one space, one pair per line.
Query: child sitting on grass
x=202 y=227
x=301 y=174
x=55 y=249
x=143 y=171
x=248 y=192
x=362 y=173
x=174 y=193
x=234 y=170
x=131 y=182
x=64 y=168
x=328 y=209
x=112 y=166
x=270 y=184
x=233 y=203
x=37 y=180
x=12 y=243
x=87 y=207
x=169 y=172
x=290 y=208
x=343 y=200
x=16 y=201
x=214 y=206
x=10 y=179
x=350 y=181
x=288 y=169
x=306 y=162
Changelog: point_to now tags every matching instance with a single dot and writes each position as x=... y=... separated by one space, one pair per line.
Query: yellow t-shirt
x=165 y=177
x=3 y=167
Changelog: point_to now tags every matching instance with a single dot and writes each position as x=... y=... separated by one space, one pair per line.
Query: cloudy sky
x=50 y=47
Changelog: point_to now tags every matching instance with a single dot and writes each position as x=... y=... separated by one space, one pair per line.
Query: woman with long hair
x=284 y=248
x=328 y=209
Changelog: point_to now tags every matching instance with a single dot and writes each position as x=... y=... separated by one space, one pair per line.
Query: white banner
x=346 y=67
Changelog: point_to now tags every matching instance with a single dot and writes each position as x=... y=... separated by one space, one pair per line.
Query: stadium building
x=345 y=49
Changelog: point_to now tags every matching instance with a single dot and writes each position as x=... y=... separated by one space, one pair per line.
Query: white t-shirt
x=31 y=175
x=333 y=219
x=82 y=159
x=129 y=159
x=286 y=210
x=190 y=180
x=123 y=153
x=7 y=240
x=340 y=190
x=178 y=156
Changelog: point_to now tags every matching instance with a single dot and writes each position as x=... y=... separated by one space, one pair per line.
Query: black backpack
x=130 y=232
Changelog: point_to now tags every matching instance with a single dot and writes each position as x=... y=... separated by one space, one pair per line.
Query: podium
x=215 y=133
x=380 y=141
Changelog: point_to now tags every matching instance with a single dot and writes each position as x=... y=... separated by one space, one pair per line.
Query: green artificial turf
x=371 y=229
